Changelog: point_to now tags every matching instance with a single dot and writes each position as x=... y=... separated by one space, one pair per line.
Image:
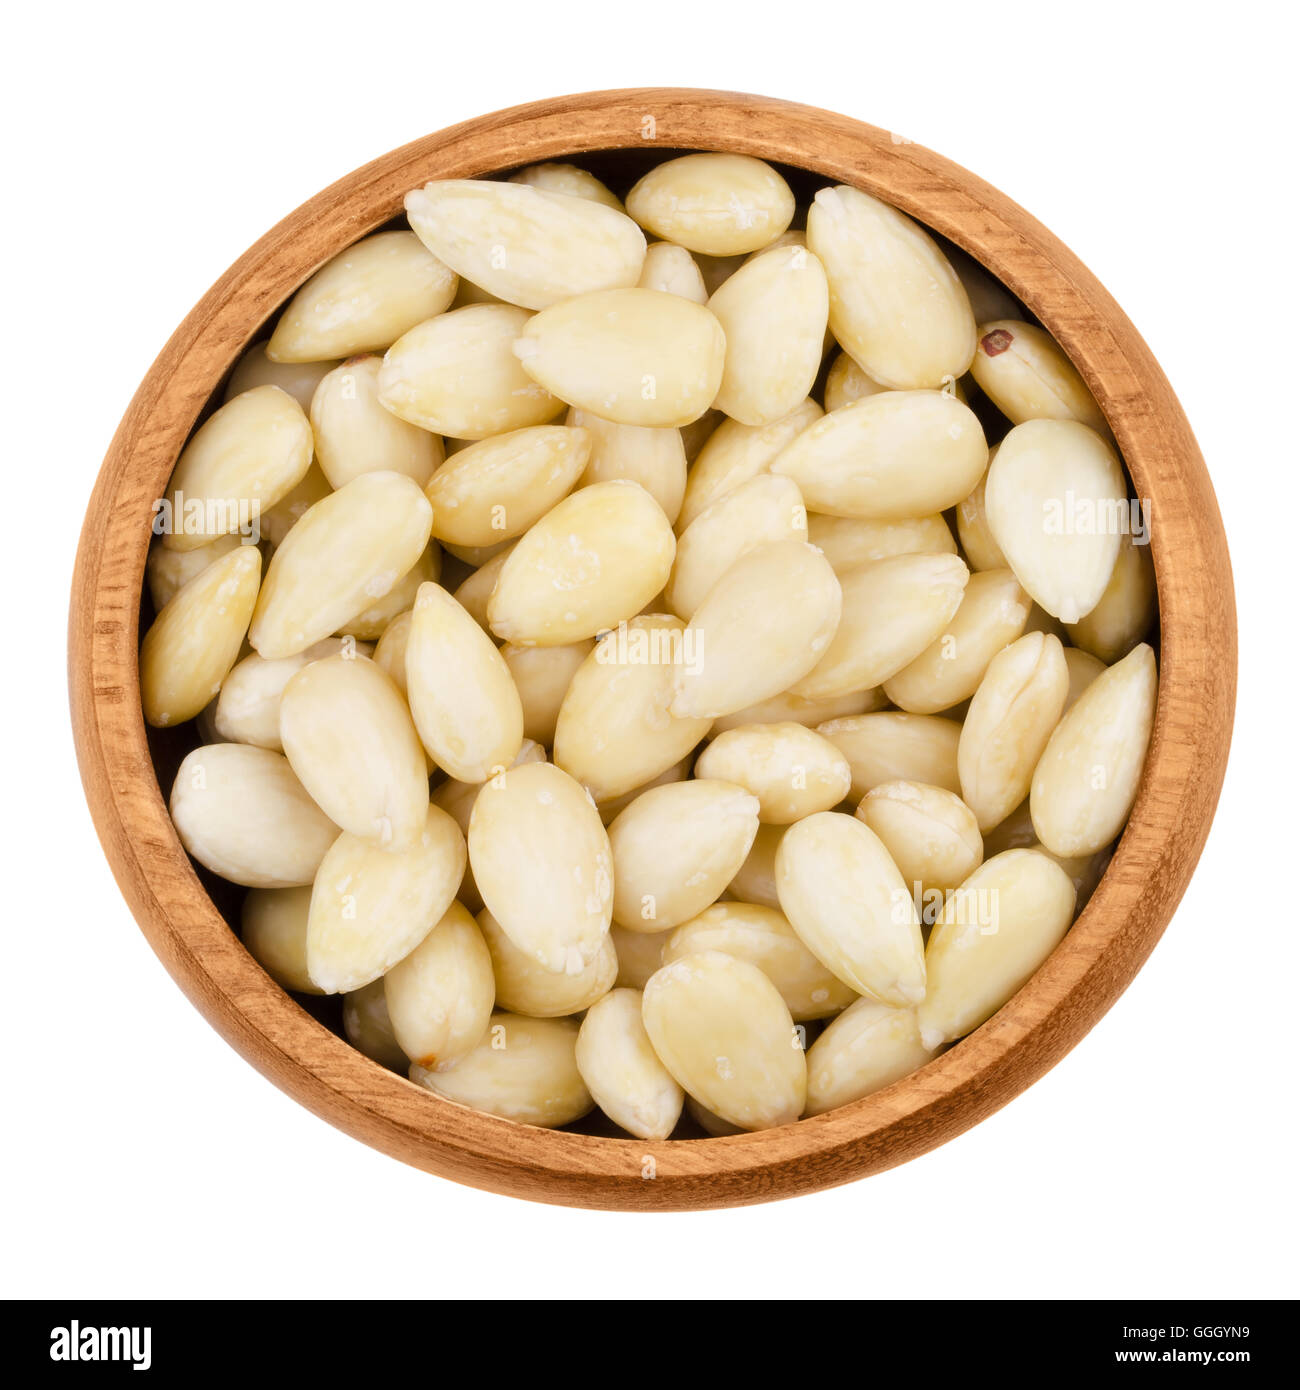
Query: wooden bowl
x=619 y=133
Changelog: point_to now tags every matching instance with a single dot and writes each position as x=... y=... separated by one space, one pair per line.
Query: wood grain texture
x=1083 y=977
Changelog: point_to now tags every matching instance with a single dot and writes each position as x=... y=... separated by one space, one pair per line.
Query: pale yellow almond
x=993 y=933
x=475 y=593
x=345 y=555
x=569 y=179
x=542 y=863
x=718 y=204
x=273 y=928
x=462 y=697
x=242 y=813
x=458 y=375
x=655 y=458
x=848 y=542
x=762 y=510
x=1126 y=611
x=675 y=849
x=239 y=463
x=1012 y=715
x=167 y=572
x=195 y=640
x=525 y=987
x=868 y=1047
x=542 y=676
x=524 y=243
x=614 y=731
x=896 y=304
x=496 y=489
x=523 y=1069
x=1023 y=371
x=762 y=936
x=892 y=610
x=1083 y=668
x=368 y=1028
x=886 y=746
x=672 y=270
x=892 y=456
x=475 y=556
x=371 y=907
x=622 y=1071
x=640 y=954
x=846 y=382
x=993 y=612
x=595 y=559
x=636 y=357
x=440 y=996
x=765 y=624
x=849 y=904
x=354 y=433
x=735 y=453
x=793 y=771
x=363 y=300
x=390 y=650
x=930 y=833
x=794 y=709
x=299 y=379
x=248 y=708
x=349 y=738
x=721 y=1028
x=1087 y=779
x=982 y=552
x=371 y=623
x=713 y=1125
x=773 y=313
x=278 y=521
x=755 y=880
x=616 y=805
x=1056 y=502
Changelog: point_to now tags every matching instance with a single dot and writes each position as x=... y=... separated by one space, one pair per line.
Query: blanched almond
x=242 y=813
x=762 y=936
x=496 y=489
x=363 y=300
x=167 y=572
x=629 y=1082
x=279 y=520
x=355 y=434
x=349 y=739
x=978 y=546
x=991 y=936
x=848 y=542
x=788 y=708
x=672 y=270
x=523 y=1069
x=526 y=244
x=773 y=312
x=655 y=458
x=248 y=708
x=993 y=612
x=1017 y=832
x=614 y=732
x=891 y=747
x=675 y=849
x=593 y=560
x=640 y=954
x=475 y=593
x=719 y=204
x=542 y=676
x=721 y=1028
x=734 y=453
x=1126 y=610
x=273 y=928
x=440 y=996
x=616 y=805
x=1087 y=779
x=893 y=610
x=636 y=357
x=371 y=623
x=1056 y=499
x=1011 y=717
x=1022 y=370
x=240 y=463
x=765 y=624
x=372 y=907
x=869 y=1047
x=846 y=899
x=345 y=554
x=846 y=382
x=390 y=650
x=525 y=987
x=368 y=1028
x=462 y=698
x=793 y=771
x=299 y=379
x=567 y=178
x=195 y=640
x=542 y=862
x=892 y=456
x=755 y=880
x=930 y=833
x=762 y=510
x=457 y=375
x=897 y=306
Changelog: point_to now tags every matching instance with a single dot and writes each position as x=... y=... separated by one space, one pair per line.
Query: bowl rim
x=1084 y=975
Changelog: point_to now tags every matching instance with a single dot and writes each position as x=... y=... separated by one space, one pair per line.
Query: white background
x=146 y=148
